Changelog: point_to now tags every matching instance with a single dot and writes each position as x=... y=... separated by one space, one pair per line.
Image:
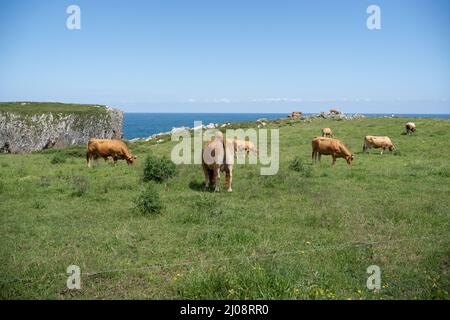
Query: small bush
x=148 y=201
x=158 y=169
x=298 y=166
x=59 y=157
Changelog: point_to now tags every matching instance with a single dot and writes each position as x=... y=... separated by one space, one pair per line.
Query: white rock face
x=27 y=133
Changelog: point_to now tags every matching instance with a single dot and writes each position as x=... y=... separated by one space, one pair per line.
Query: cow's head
x=392 y=148
x=251 y=149
x=130 y=159
x=349 y=159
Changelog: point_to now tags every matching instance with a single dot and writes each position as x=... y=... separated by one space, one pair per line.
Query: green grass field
x=308 y=234
x=31 y=108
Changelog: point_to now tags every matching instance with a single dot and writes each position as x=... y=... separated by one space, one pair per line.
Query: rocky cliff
x=27 y=126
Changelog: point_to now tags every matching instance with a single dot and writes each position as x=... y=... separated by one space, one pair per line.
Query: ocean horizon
x=145 y=124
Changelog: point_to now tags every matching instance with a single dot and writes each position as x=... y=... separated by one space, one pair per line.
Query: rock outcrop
x=27 y=132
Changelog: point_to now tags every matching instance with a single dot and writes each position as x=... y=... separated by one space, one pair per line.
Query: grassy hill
x=30 y=108
x=308 y=234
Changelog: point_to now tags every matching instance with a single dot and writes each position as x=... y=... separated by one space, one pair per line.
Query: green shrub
x=158 y=169
x=297 y=165
x=75 y=151
x=59 y=157
x=148 y=201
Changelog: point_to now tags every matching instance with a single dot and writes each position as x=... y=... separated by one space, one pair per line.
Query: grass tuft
x=58 y=158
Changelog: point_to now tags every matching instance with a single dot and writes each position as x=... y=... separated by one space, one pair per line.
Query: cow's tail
x=365 y=145
x=225 y=154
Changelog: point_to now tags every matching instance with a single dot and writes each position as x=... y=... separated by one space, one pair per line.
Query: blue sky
x=229 y=56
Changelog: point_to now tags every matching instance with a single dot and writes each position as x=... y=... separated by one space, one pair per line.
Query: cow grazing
x=329 y=146
x=378 y=142
x=295 y=114
x=410 y=127
x=108 y=149
x=327 y=132
x=218 y=156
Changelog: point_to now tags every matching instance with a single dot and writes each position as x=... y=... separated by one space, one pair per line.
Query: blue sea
x=142 y=125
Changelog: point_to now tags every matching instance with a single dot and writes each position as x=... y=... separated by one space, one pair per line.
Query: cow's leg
x=211 y=178
x=216 y=178
x=96 y=160
x=382 y=150
x=228 y=177
x=319 y=156
x=334 y=159
x=313 y=157
x=88 y=159
x=207 y=176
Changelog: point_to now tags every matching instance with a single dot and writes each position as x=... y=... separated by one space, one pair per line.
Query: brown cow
x=410 y=127
x=217 y=156
x=378 y=142
x=108 y=149
x=333 y=147
x=247 y=146
x=327 y=132
x=335 y=111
